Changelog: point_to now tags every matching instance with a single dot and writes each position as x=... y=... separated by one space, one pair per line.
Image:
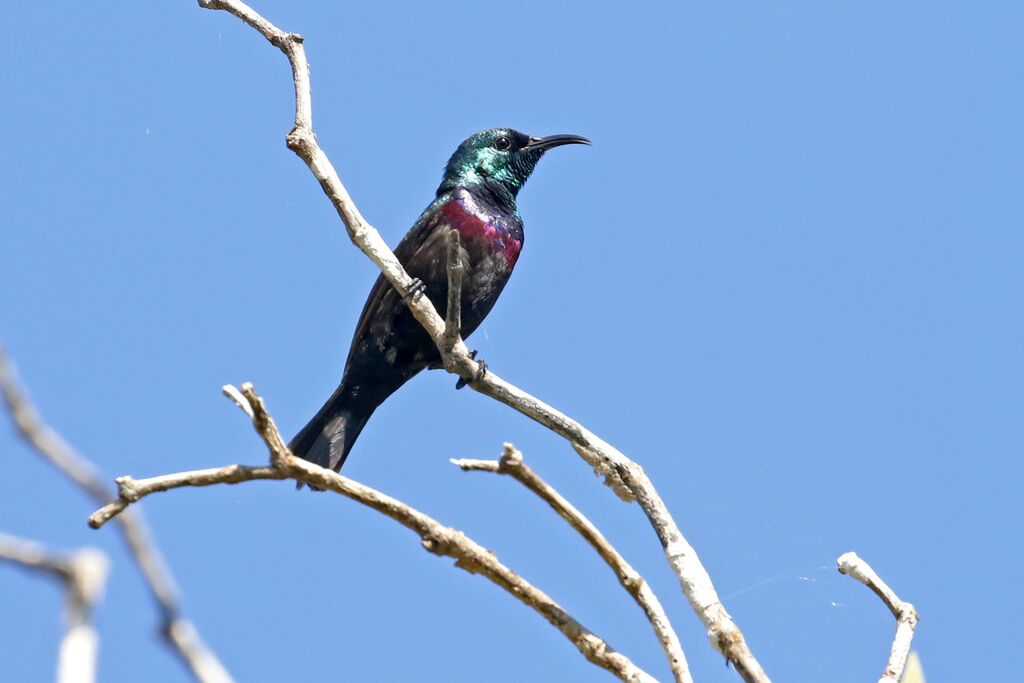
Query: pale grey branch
x=84 y=575
x=625 y=477
x=453 y=319
x=511 y=463
x=906 y=615
x=34 y=556
x=134 y=529
x=435 y=537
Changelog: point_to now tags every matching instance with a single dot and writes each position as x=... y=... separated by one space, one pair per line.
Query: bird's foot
x=415 y=290
x=481 y=370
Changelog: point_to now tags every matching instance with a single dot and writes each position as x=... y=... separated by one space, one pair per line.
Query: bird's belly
x=487 y=272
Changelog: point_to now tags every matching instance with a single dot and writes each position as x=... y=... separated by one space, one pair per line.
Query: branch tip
x=238 y=399
x=905 y=613
x=511 y=457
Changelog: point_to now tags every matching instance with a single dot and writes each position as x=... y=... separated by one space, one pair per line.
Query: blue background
x=786 y=280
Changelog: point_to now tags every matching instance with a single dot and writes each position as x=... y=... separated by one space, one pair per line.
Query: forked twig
x=511 y=463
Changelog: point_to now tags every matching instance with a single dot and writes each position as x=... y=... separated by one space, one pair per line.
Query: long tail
x=332 y=432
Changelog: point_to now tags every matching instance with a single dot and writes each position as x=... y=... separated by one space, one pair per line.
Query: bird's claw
x=481 y=370
x=414 y=291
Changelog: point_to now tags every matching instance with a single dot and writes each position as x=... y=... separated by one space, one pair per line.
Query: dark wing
x=383 y=296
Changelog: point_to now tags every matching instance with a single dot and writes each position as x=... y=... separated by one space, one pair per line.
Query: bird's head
x=500 y=156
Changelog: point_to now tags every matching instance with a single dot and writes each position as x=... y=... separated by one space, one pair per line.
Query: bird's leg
x=415 y=290
x=481 y=370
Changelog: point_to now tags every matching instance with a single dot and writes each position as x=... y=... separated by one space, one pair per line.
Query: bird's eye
x=502 y=143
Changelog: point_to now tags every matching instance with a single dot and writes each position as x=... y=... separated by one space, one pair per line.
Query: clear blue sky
x=786 y=280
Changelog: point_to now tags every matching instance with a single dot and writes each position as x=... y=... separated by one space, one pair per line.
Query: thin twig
x=453 y=319
x=906 y=615
x=625 y=477
x=511 y=463
x=34 y=556
x=84 y=575
x=436 y=537
x=200 y=660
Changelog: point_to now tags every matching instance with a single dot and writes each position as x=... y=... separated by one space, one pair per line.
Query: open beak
x=544 y=144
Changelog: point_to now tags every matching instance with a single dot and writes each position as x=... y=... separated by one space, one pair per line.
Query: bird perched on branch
x=477 y=197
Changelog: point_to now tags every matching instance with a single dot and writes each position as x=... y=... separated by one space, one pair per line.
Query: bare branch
x=131 y=490
x=511 y=463
x=34 y=556
x=453 y=319
x=44 y=440
x=84 y=574
x=202 y=661
x=238 y=399
x=436 y=538
x=626 y=478
x=134 y=529
x=906 y=615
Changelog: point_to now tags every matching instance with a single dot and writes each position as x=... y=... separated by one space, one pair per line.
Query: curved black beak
x=544 y=144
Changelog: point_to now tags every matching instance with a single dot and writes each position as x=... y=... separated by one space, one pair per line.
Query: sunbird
x=477 y=197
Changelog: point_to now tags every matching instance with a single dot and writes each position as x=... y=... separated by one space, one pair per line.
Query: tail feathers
x=332 y=432
x=329 y=436
x=322 y=441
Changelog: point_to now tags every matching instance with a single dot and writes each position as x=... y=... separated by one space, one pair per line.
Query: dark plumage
x=477 y=197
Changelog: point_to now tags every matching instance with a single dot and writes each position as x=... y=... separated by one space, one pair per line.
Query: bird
x=477 y=198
